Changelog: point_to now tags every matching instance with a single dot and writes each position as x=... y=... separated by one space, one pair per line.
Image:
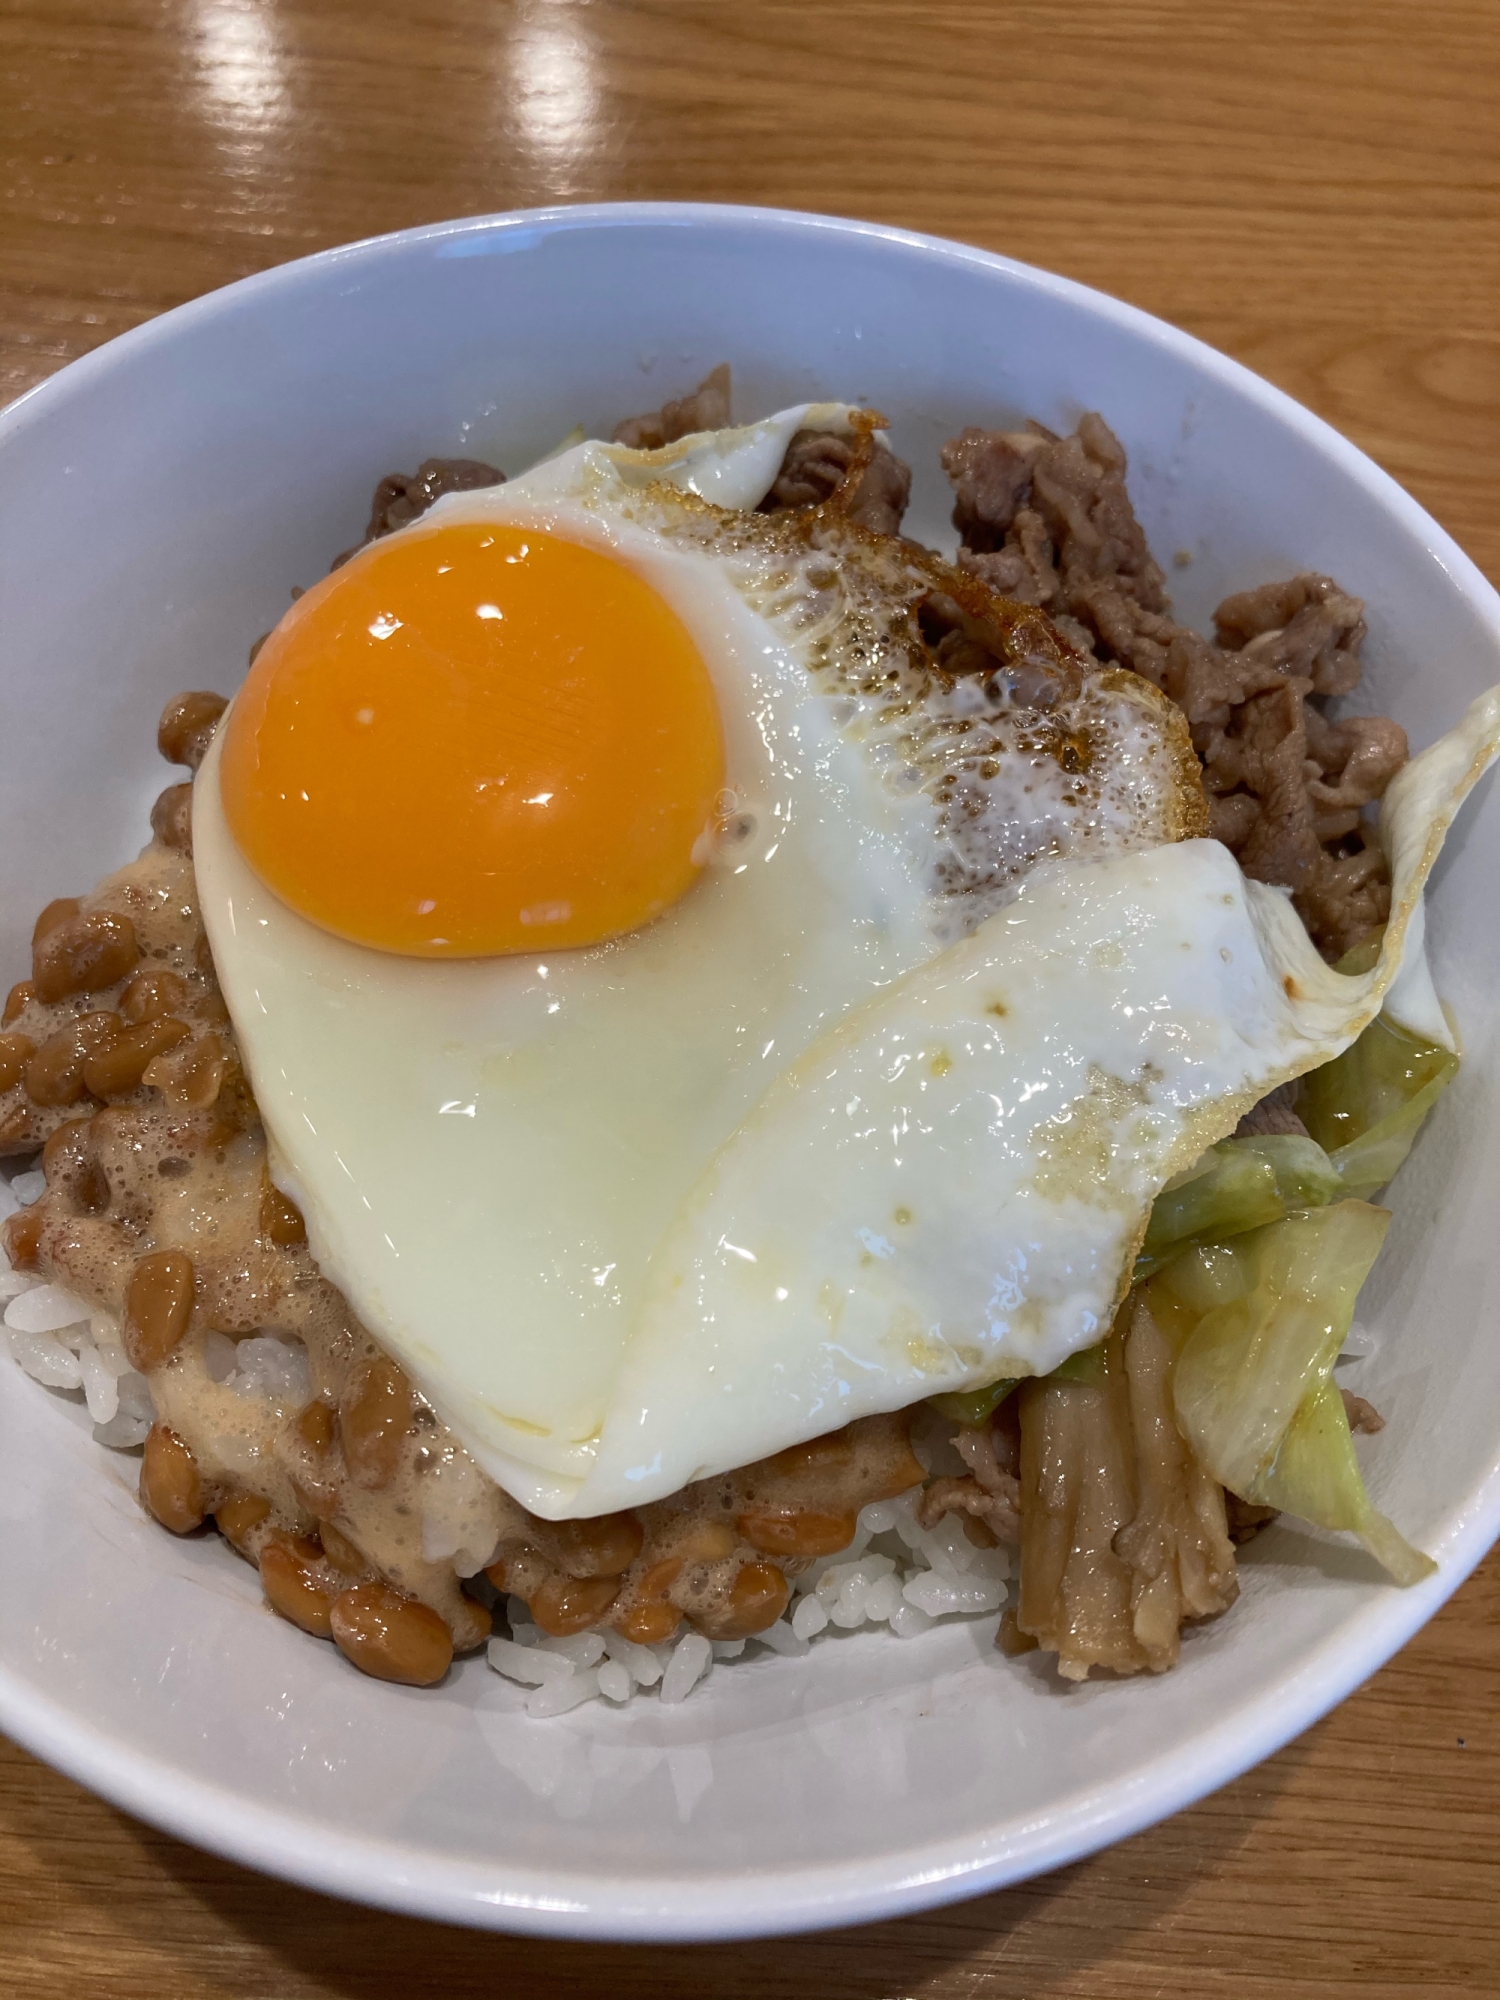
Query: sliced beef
x=1298 y=829
x=1047 y=520
x=1023 y=568
x=991 y=474
x=990 y=1494
x=1306 y=627
x=1264 y=749
x=1245 y=1518
x=814 y=467
x=706 y=409
x=1356 y=760
x=1363 y=1416
x=1274 y=1117
x=1056 y=514
x=817 y=463
x=1347 y=900
x=403 y=497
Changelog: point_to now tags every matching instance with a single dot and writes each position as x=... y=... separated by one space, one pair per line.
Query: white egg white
x=630 y=1214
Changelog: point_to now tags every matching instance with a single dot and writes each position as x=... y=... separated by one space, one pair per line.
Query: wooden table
x=1312 y=186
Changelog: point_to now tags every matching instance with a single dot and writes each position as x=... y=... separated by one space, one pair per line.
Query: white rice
x=895 y=1573
x=270 y=1366
x=63 y=1343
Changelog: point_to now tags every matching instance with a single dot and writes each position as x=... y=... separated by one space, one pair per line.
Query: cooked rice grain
x=894 y=1573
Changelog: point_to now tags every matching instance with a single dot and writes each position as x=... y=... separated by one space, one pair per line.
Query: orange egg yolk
x=472 y=740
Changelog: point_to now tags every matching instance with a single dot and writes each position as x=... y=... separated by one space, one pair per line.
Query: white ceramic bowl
x=159 y=498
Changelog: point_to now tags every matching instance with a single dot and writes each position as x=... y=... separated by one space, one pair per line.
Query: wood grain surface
x=1314 y=187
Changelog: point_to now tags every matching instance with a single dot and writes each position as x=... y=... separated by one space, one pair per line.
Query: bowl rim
x=758 y=1902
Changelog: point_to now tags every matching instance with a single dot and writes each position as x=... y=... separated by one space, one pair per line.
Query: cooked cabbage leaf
x=1317 y=1477
x=1249 y=1362
x=1305 y=1176
x=1362 y=1112
x=1251 y=1374
x=1365 y=1107
x=1238 y=1185
x=1229 y=1190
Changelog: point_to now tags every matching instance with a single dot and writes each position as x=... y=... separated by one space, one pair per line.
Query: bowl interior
x=159 y=500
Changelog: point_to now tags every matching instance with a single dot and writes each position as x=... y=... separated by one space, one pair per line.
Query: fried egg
x=951 y=1185
x=603 y=877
